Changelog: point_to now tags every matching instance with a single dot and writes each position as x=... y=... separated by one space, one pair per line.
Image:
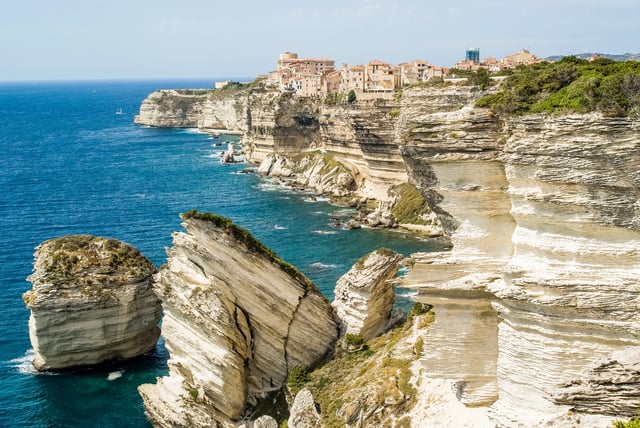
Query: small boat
x=119 y=111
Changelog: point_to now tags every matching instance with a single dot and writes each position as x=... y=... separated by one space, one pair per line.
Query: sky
x=149 y=39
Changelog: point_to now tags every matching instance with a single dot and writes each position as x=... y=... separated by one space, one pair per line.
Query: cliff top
x=87 y=263
x=254 y=245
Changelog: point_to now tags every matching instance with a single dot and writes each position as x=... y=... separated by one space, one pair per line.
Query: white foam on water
x=191 y=131
x=342 y=213
x=322 y=266
x=23 y=364
x=278 y=227
x=407 y=295
x=115 y=375
x=325 y=232
x=316 y=199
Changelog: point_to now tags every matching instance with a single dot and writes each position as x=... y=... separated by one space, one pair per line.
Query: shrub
x=354 y=340
x=298 y=377
x=570 y=85
x=351 y=97
x=633 y=423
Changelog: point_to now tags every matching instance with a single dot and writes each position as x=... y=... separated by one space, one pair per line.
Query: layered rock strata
x=364 y=296
x=544 y=228
x=92 y=302
x=568 y=296
x=542 y=212
x=200 y=108
x=237 y=319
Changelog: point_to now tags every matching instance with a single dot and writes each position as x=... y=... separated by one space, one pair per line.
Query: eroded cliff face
x=364 y=295
x=540 y=289
x=92 y=302
x=200 y=108
x=536 y=303
x=568 y=296
x=237 y=319
x=546 y=231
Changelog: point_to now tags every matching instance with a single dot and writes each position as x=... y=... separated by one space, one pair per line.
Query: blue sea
x=72 y=165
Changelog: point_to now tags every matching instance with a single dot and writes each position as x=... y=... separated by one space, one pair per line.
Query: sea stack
x=237 y=319
x=92 y=302
x=364 y=295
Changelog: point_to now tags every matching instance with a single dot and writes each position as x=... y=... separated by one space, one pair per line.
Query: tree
x=351 y=97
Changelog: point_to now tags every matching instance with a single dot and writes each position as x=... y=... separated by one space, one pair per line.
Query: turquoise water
x=71 y=165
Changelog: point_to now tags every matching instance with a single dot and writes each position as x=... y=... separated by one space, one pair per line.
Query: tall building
x=473 y=55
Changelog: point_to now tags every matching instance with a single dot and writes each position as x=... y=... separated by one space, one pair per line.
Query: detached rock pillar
x=364 y=295
x=92 y=302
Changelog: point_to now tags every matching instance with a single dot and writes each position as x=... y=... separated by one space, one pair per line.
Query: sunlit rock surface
x=540 y=287
x=547 y=232
x=237 y=319
x=92 y=302
x=364 y=296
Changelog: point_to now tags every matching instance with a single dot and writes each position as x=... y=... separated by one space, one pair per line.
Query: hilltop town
x=310 y=77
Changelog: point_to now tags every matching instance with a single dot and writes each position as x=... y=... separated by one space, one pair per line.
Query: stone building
x=304 y=76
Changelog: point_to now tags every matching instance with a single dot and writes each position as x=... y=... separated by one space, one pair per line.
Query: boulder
x=304 y=413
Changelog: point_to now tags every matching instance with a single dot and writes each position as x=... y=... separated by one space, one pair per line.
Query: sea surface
x=70 y=164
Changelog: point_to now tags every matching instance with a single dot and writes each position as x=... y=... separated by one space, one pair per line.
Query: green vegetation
x=359 y=264
x=353 y=340
x=243 y=235
x=571 y=85
x=334 y=98
x=633 y=423
x=419 y=308
x=298 y=377
x=411 y=205
x=274 y=404
x=72 y=255
x=351 y=97
x=197 y=92
x=394 y=113
x=369 y=377
x=480 y=78
x=193 y=394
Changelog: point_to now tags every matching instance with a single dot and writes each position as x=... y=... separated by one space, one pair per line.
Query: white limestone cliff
x=364 y=296
x=199 y=108
x=91 y=302
x=545 y=246
x=237 y=319
x=540 y=289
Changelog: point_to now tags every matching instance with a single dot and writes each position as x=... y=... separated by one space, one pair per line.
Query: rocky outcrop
x=92 y=302
x=303 y=413
x=237 y=319
x=205 y=109
x=609 y=387
x=311 y=170
x=364 y=296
